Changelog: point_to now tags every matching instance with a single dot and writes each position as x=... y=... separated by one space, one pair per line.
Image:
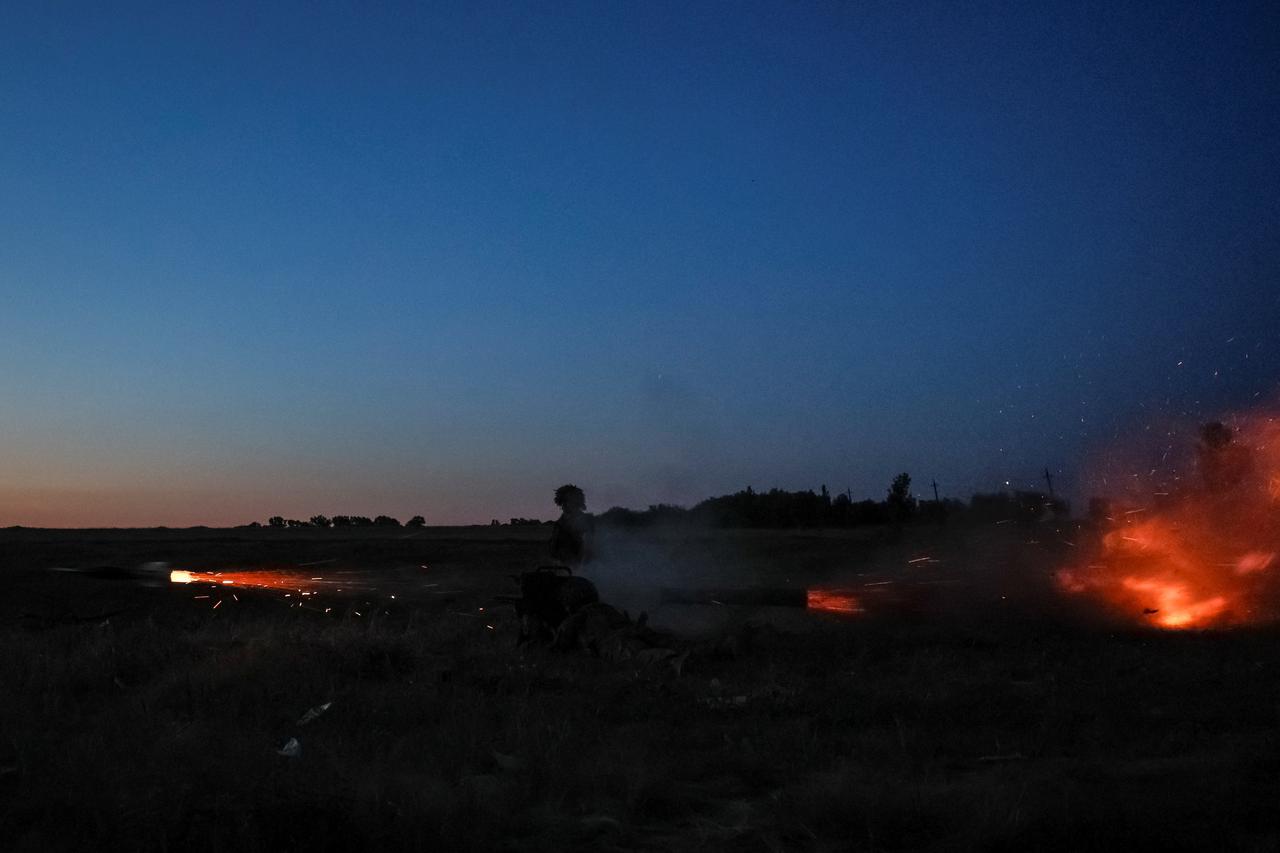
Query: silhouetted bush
x=416 y=521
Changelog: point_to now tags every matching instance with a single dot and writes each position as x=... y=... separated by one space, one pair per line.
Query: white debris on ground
x=313 y=713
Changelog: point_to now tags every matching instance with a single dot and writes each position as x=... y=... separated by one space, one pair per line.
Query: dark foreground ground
x=965 y=710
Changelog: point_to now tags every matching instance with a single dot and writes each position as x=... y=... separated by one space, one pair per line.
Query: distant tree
x=361 y=521
x=386 y=521
x=1216 y=435
x=774 y=508
x=619 y=516
x=254 y=524
x=321 y=521
x=868 y=512
x=416 y=521
x=901 y=504
x=276 y=521
x=294 y=522
x=1224 y=462
x=341 y=521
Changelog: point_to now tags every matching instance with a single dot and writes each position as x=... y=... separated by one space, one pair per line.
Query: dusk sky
x=267 y=259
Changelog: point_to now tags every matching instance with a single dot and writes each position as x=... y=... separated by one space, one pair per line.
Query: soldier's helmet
x=571 y=499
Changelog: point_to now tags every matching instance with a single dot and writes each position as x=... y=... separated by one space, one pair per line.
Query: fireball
x=1206 y=557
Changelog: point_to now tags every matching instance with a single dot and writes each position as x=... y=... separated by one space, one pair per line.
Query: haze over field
x=285 y=259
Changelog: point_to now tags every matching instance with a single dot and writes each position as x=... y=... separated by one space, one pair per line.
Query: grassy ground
x=139 y=718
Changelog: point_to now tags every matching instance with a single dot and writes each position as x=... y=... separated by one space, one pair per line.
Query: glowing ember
x=833 y=601
x=245 y=578
x=1205 y=557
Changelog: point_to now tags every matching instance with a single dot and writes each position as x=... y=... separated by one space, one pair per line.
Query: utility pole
x=1049 y=479
x=935 y=492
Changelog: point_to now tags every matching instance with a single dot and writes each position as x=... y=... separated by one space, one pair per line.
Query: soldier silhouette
x=571 y=536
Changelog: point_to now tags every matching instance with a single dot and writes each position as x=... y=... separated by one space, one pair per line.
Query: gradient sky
x=439 y=259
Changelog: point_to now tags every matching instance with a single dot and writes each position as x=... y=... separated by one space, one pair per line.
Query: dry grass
x=158 y=730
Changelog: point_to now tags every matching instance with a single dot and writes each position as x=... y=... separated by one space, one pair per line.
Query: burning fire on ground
x=833 y=601
x=1204 y=553
x=247 y=578
x=302 y=590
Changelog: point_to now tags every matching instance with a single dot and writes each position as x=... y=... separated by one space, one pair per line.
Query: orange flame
x=245 y=578
x=1206 y=557
x=833 y=601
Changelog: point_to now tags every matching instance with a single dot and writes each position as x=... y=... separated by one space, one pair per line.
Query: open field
x=967 y=708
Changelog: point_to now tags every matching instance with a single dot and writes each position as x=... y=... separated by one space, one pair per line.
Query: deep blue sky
x=439 y=260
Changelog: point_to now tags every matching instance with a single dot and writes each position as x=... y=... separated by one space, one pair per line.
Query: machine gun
x=548 y=596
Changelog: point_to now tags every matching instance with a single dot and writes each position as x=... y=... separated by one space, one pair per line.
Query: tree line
x=342 y=521
x=778 y=508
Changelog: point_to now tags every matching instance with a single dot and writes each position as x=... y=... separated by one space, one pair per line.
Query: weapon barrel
x=742 y=597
